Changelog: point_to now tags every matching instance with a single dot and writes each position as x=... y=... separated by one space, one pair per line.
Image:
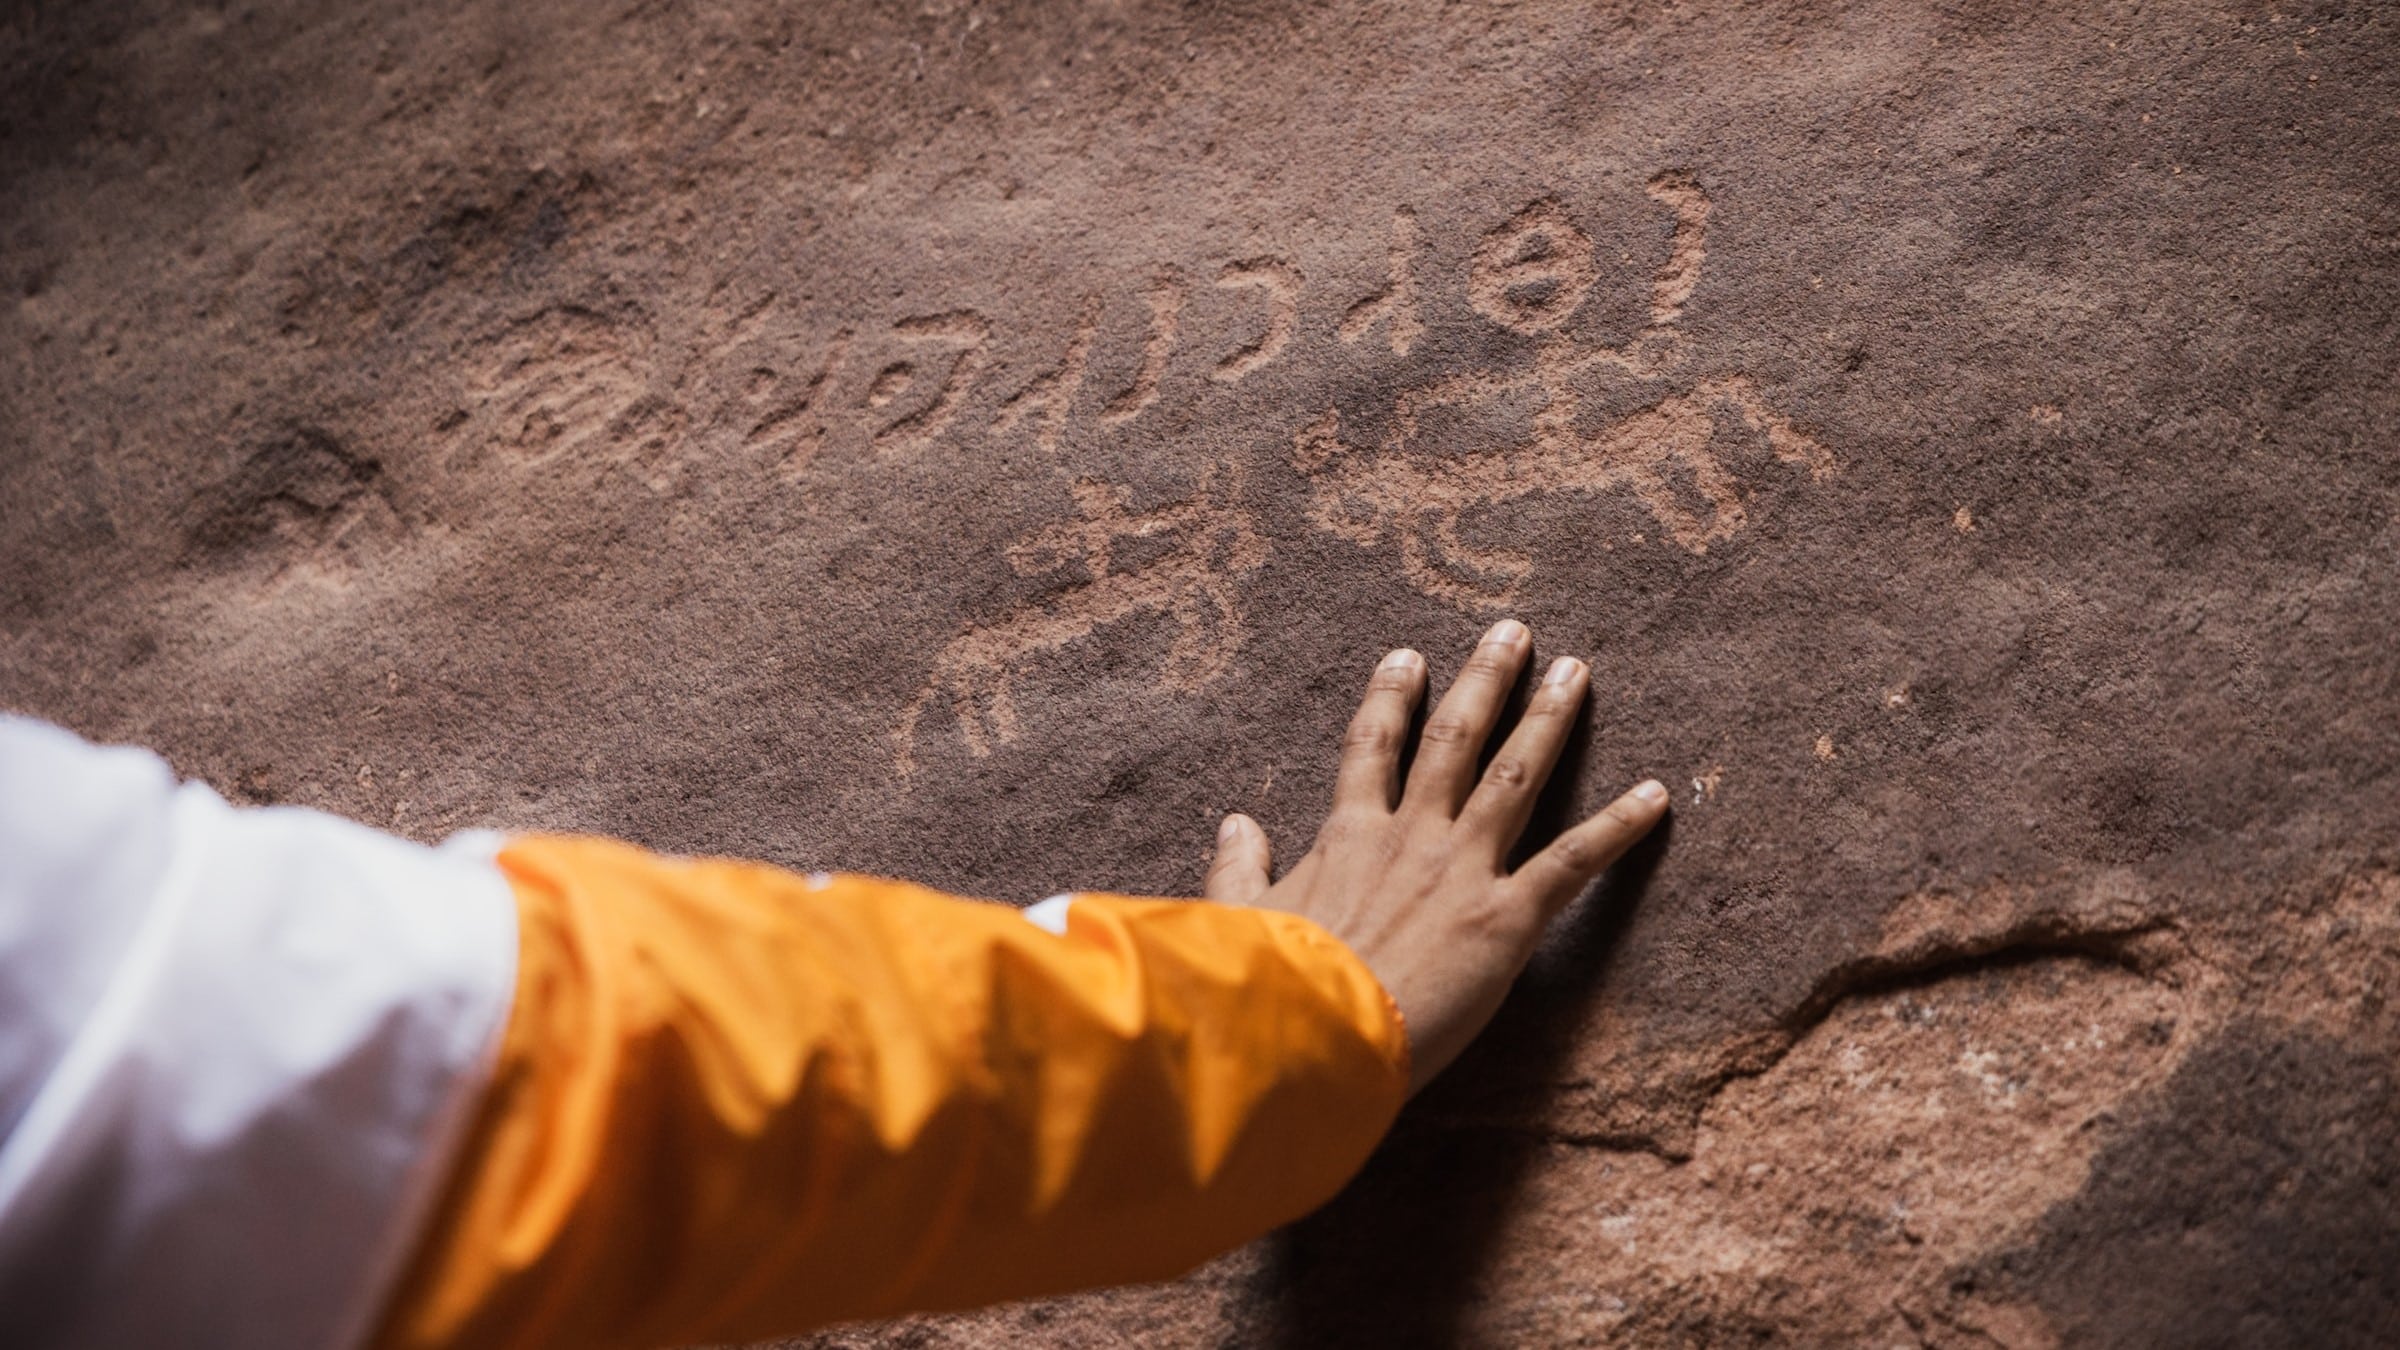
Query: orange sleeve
x=733 y=1102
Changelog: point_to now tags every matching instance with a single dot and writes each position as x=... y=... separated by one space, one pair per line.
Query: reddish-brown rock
x=985 y=442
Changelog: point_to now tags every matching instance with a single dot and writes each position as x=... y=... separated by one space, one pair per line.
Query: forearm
x=708 y=1100
x=733 y=1102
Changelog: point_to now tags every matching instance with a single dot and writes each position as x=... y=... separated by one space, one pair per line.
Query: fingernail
x=1506 y=633
x=1652 y=791
x=1403 y=659
x=1563 y=671
x=1228 y=829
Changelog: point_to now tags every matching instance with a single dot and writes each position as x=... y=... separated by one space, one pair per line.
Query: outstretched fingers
x=1557 y=874
x=1504 y=800
x=1453 y=739
x=1369 y=777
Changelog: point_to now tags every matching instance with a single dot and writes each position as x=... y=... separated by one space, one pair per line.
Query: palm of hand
x=1415 y=878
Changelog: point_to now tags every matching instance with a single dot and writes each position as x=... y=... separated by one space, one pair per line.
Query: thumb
x=1239 y=874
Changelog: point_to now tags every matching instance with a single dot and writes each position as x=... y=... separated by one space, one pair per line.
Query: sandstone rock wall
x=983 y=442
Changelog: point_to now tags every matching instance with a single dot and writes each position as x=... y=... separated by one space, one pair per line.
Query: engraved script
x=1529 y=276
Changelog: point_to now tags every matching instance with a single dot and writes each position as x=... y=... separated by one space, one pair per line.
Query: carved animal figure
x=1214 y=542
x=1421 y=497
x=1361 y=496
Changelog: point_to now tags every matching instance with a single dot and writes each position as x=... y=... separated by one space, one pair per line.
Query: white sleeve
x=237 y=1048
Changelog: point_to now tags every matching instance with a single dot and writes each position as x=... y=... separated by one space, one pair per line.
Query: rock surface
x=1963 y=439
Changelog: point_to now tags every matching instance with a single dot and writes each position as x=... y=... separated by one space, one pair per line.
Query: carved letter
x=1051 y=393
x=966 y=332
x=1281 y=282
x=1531 y=272
x=1166 y=296
x=1690 y=249
x=777 y=421
x=1397 y=301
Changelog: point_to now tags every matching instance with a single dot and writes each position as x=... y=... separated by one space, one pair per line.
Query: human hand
x=1416 y=882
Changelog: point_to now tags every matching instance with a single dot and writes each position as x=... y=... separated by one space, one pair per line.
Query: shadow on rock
x=1399 y=1257
x=2258 y=1206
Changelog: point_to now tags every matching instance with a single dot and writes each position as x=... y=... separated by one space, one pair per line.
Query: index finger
x=1559 y=872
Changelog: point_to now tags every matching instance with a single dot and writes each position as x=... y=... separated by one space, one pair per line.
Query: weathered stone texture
x=983 y=442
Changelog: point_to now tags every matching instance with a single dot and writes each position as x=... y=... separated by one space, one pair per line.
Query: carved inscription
x=1529 y=275
x=960 y=337
x=1395 y=306
x=1047 y=396
x=1681 y=276
x=560 y=379
x=1165 y=296
x=1211 y=544
x=570 y=380
x=1281 y=282
x=792 y=421
x=571 y=385
x=1532 y=273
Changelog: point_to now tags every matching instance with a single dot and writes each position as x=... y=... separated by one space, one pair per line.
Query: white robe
x=237 y=1050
